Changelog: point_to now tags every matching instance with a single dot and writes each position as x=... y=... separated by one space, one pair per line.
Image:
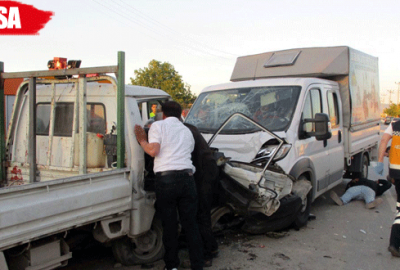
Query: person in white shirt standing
x=171 y=145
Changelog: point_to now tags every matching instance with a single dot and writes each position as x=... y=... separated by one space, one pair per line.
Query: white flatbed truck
x=57 y=184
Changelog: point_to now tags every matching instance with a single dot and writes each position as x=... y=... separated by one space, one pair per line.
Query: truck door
x=309 y=147
x=335 y=143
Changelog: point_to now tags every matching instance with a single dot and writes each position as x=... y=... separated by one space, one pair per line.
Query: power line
x=181 y=44
x=149 y=34
x=141 y=14
x=183 y=39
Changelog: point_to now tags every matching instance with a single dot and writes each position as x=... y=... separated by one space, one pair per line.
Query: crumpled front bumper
x=265 y=210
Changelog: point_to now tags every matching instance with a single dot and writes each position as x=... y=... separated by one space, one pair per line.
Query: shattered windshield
x=271 y=107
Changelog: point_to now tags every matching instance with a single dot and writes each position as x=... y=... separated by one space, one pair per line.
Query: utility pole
x=398 y=91
x=390 y=95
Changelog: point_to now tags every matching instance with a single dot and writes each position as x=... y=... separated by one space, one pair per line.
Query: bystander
x=171 y=145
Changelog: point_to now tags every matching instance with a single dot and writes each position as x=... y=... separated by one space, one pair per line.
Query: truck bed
x=361 y=138
x=35 y=210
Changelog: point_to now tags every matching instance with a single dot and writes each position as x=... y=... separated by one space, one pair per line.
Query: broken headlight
x=267 y=151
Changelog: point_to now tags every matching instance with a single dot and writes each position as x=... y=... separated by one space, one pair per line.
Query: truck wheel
x=216 y=214
x=147 y=248
x=365 y=162
x=302 y=217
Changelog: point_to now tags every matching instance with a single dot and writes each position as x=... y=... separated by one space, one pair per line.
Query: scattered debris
x=329 y=257
x=344 y=236
x=311 y=217
x=261 y=246
x=277 y=235
x=363 y=231
x=281 y=256
x=252 y=257
x=248 y=245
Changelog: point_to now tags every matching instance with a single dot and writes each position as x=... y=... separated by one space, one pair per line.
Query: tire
x=302 y=217
x=147 y=248
x=364 y=169
x=258 y=223
x=217 y=213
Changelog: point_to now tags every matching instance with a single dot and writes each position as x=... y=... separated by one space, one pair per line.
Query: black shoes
x=395 y=251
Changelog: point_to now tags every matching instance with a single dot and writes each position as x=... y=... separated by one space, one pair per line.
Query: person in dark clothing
x=379 y=186
x=206 y=180
x=171 y=145
x=362 y=189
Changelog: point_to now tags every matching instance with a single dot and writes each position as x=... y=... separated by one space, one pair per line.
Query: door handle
x=340 y=136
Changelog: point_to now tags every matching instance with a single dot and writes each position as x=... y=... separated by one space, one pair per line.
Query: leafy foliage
x=393 y=110
x=164 y=76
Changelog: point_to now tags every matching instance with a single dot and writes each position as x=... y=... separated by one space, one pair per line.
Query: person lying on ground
x=362 y=189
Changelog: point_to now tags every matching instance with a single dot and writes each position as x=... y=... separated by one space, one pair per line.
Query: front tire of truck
x=147 y=248
x=302 y=217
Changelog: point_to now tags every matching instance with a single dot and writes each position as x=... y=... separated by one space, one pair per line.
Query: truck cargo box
x=355 y=71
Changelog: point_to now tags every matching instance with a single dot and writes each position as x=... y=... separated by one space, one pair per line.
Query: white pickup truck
x=59 y=186
x=311 y=113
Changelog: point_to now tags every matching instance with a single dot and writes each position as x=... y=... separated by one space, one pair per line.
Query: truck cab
x=281 y=106
x=322 y=102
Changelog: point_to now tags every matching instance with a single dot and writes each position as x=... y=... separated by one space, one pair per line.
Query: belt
x=164 y=173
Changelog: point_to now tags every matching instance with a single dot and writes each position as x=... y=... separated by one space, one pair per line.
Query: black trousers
x=176 y=193
x=204 y=222
x=395 y=232
x=206 y=185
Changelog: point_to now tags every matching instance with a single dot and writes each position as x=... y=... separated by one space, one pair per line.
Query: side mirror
x=322 y=127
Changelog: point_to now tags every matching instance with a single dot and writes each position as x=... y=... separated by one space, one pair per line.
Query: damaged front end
x=263 y=193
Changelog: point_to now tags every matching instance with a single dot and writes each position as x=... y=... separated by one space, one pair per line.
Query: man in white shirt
x=171 y=145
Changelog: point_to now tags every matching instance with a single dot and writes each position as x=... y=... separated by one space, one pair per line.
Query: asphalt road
x=341 y=237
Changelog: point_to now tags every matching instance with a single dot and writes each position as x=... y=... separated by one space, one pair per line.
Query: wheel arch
x=357 y=162
x=305 y=166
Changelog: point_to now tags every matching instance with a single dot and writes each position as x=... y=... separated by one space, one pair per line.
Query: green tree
x=164 y=76
x=393 y=110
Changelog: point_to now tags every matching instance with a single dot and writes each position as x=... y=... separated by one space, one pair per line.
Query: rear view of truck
x=74 y=169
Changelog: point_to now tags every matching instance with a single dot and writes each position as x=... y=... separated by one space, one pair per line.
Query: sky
x=202 y=39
